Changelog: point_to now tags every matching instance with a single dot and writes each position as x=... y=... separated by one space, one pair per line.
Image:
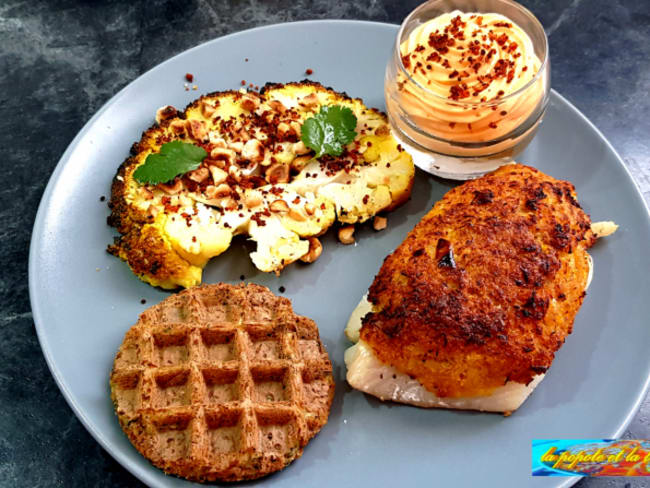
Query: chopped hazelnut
x=173 y=188
x=296 y=127
x=218 y=175
x=284 y=129
x=228 y=203
x=253 y=200
x=222 y=190
x=253 y=150
x=165 y=113
x=315 y=250
x=238 y=146
x=216 y=140
x=197 y=130
x=300 y=148
x=250 y=102
x=227 y=156
x=199 y=175
x=379 y=223
x=210 y=191
x=278 y=106
x=300 y=162
x=207 y=109
x=277 y=173
x=346 y=234
x=178 y=126
x=279 y=206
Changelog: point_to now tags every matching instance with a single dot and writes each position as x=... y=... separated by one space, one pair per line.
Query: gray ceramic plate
x=84 y=300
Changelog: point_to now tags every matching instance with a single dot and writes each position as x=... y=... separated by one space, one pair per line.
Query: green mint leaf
x=329 y=130
x=175 y=158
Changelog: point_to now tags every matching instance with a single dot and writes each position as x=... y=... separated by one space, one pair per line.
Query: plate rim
x=36 y=237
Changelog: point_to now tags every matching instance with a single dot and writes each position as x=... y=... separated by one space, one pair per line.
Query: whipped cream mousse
x=467 y=79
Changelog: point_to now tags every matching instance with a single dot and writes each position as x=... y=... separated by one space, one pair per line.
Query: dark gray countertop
x=61 y=60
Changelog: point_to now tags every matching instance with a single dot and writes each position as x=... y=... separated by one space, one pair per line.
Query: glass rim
x=487 y=103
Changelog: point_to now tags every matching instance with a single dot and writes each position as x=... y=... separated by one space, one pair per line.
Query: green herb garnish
x=175 y=158
x=329 y=130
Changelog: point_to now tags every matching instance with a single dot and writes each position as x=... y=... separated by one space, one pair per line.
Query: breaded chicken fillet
x=470 y=309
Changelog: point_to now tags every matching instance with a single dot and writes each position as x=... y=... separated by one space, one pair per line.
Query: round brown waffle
x=222 y=382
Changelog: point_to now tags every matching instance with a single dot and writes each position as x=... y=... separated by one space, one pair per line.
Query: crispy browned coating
x=485 y=288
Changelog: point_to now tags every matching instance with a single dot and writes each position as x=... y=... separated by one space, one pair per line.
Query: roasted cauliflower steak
x=259 y=180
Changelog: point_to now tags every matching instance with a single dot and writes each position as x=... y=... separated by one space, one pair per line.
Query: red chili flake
x=493 y=125
x=500 y=69
x=189 y=77
x=453 y=74
x=435 y=57
x=452 y=124
x=441 y=42
x=503 y=112
x=500 y=93
x=309 y=71
x=507 y=25
x=369 y=144
x=243 y=82
x=365 y=199
x=246 y=59
x=406 y=61
x=525 y=68
x=457 y=92
x=445 y=63
x=479 y=20
x=469 y=126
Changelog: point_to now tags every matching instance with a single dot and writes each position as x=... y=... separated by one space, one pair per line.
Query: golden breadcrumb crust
x=485 y=288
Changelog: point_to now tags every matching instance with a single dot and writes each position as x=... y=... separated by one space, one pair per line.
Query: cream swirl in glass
x=467 y=84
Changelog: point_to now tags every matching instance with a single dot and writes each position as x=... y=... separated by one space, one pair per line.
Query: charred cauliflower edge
x=146 y=248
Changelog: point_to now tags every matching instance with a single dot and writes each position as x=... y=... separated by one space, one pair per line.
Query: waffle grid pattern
x=222 y=382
